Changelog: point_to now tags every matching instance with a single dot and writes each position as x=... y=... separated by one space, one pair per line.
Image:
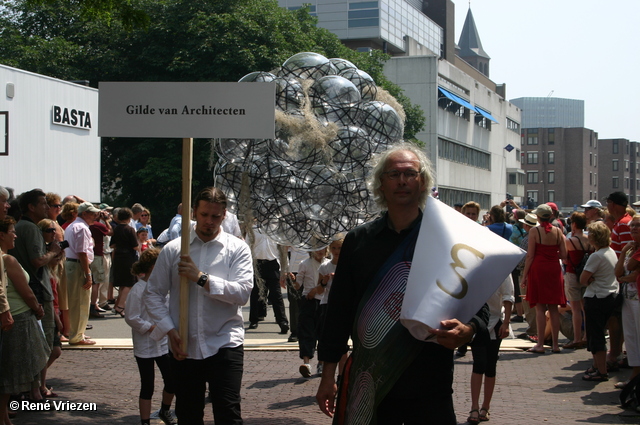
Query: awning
x=460 y=101
x=486 y=114
x=456 y=98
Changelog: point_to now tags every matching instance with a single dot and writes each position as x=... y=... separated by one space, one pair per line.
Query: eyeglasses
x=49 y=230
x=55 y=206
x=588 y=208
x=408 y=174
x=144 y=215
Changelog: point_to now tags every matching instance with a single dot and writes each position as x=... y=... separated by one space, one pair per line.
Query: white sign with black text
x=191 y=109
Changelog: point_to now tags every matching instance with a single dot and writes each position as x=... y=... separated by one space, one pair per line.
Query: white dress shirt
x=79 y=237
x=326 y=268
x=495 y=303
x=144 y=346
x=265 y=248
x=230 y=224
x=175 y=227
x=215 y=316
x=308 y=275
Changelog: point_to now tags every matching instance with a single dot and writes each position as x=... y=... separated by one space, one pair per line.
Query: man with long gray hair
x=399 y=379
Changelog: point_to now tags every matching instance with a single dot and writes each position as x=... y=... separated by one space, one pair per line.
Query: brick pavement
x=530 y=389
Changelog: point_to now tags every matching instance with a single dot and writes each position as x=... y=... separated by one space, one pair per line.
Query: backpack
x=631 y=394
x=583 y=262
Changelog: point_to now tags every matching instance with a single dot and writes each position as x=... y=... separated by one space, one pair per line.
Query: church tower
x=470 y=47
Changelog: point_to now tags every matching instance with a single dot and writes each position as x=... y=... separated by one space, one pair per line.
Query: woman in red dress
x=543 y=275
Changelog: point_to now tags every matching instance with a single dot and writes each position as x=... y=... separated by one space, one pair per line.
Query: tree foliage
x=175 y=40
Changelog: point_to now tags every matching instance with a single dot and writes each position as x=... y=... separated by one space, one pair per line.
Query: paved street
x=531 y=389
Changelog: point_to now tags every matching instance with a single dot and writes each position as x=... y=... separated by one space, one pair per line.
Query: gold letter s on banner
x=458 y=264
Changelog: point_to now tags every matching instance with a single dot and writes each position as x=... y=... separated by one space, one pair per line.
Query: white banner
x=457 y=265
x=183 y=110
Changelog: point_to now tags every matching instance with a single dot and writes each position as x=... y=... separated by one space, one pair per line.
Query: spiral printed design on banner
x=383 y=309
x=360 y=411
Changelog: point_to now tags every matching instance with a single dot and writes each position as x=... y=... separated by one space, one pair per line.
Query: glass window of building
x=616 y=149
x=551 y=177
x=615 y=182
x=551 y=157
x=532 y=157
x=551 y=196
x=614 y=165
x=532 y=177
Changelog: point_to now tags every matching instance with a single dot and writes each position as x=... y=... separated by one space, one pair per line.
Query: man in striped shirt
x=620 y=235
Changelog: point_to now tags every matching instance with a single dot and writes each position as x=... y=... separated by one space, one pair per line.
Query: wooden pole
x=187 y=173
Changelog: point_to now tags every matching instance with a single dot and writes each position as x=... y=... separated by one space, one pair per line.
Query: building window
x=551 y=196
x=626 y=165
x=364 y=14
x=463 y=154
x=454 y=196
x=483 y=122
x=614 y=165
x=551 y=158
x=551 y=136
x=590 y=158
x=532 y=131
x=595 y=160
x=590 y=178
x=513 y=126
x=595 y=179
x=521 y=157
x=616 y=149
x=626 y=182
x=532 y=157
x=551 y=177
x=615 y=183
x=312 y=9
x=533 y=195
x=532 y=140
x=532 y=177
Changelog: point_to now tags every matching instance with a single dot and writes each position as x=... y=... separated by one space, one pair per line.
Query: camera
x=64 y=244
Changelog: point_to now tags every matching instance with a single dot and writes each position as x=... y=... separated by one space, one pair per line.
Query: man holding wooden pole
x=219 y=271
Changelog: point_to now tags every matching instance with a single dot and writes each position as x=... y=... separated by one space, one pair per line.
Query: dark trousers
x=308 y=326
x=294 y=309
x=596 y=313
x=515 y=275
x=269 y=271
x=486 y=352
x=223 y=373
x=147 y=375
x=432 y=410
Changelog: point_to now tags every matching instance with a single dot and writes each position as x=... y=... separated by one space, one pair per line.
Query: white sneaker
x=319 y=369
x=305 y=370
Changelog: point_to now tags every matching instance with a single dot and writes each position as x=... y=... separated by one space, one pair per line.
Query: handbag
x=583 y=262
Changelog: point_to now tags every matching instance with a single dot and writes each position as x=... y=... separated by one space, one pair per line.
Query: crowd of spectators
x=579 y=277
x=66 y=260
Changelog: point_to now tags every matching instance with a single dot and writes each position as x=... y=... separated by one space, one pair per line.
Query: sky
x=577 y=49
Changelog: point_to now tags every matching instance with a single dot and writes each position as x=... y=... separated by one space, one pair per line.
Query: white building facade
x=50 y=135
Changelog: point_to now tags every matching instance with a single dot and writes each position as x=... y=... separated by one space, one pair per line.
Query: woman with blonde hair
x=599 y=298
x=24 y=350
